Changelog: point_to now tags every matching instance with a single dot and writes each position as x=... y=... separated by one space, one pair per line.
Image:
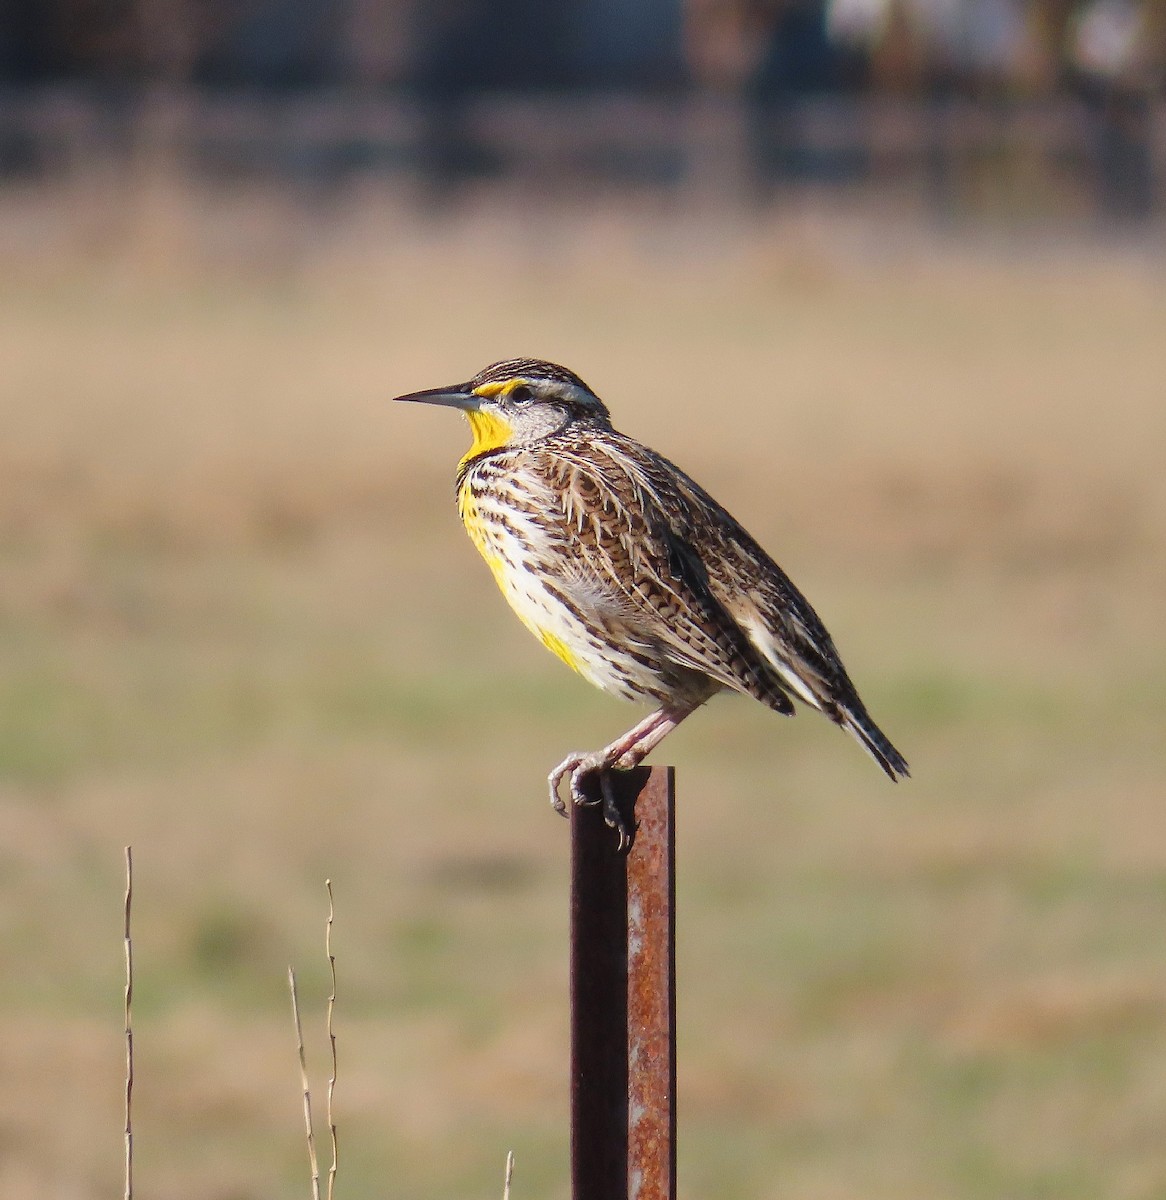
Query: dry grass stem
x=509 y=1174
x=313 y=1162
x=331 y=1035
x=129 y=1029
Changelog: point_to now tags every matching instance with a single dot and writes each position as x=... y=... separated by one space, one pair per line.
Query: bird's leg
x=634 y=751
x=623 y=754
x=580 y=763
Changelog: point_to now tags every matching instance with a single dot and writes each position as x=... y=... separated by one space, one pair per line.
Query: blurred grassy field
x=241 y=629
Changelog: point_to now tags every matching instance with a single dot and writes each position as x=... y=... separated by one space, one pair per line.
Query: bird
x=631 y=573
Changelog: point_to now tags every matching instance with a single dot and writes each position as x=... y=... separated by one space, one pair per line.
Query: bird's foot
x=587 y=771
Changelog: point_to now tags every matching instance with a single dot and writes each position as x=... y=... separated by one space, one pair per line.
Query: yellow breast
x=523 y=593
x=481 y=533
x=557 y=647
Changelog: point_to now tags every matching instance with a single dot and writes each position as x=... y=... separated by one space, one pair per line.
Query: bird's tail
x=872 y=739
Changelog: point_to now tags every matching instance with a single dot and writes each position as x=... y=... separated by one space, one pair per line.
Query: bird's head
x=517 y=402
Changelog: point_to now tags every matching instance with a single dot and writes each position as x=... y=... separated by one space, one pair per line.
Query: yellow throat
x=490 y=431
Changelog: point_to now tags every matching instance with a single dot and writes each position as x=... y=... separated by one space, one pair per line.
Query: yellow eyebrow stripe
x=489 y=390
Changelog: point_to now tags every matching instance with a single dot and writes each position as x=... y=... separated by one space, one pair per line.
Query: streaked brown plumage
x=631 y=572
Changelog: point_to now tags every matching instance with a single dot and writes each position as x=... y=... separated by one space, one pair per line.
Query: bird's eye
x=521 y=394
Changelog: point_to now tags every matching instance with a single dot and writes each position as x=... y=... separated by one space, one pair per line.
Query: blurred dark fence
x=945 y=155
x=1030 y=108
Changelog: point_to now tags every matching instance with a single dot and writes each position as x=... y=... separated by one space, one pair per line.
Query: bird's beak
x=458 y=396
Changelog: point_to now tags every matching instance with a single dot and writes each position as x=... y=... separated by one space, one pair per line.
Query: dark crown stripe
x=527 y=368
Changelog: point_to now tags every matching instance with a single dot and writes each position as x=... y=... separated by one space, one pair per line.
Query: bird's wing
x=636 y=554
x=763 y=601
x=779 y=622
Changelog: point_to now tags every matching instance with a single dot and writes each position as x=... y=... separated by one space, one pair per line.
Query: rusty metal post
x=623 y=996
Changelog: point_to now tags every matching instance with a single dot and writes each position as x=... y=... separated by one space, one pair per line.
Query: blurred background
x=888 y=276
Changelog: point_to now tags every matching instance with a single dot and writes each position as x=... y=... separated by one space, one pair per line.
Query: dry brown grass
x=240 y=629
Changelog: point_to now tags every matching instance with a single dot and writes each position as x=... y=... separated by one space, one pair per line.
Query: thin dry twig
x=331 y=1035
x=129 y=1027
x=312 y=1161
x=509 y=1174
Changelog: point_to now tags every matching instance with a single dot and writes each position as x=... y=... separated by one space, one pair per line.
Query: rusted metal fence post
x=623 y=996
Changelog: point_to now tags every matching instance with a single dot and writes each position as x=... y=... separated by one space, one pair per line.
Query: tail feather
x=874 y=742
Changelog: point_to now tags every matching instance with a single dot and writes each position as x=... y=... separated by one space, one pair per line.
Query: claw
x=612 y=817
x=583 y=769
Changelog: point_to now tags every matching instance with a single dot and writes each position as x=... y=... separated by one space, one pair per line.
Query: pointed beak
x=458 y=396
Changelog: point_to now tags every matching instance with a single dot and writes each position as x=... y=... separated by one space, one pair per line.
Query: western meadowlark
x=631 y=573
